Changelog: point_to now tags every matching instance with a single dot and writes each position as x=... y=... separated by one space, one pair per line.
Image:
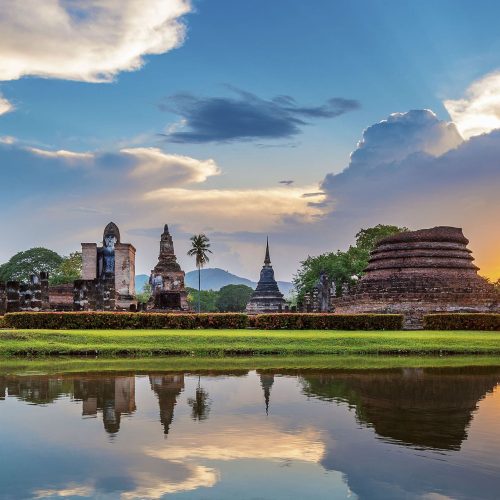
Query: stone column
x=89 y=261
x=44 y=291
x=12 y=296
x=3 y=298
x=36 y=292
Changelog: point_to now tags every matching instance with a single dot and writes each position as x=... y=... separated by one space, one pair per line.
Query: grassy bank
x=244 y=342
x=234 y=364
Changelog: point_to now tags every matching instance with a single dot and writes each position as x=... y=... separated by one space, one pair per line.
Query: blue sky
x=199 y=130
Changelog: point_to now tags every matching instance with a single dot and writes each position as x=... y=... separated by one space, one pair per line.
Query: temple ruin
x=266 y=298
x=420 y=272
x=32 y=295
x=167 y=279
x=108 y=274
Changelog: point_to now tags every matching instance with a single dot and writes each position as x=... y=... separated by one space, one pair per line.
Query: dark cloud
x=287 y=182
x=246 y=117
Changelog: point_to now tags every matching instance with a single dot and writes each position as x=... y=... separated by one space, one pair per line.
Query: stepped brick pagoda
x=419 y=272
x=167 y=279
x=266 y=297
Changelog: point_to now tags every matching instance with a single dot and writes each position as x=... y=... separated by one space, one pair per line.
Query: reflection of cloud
x=150 y=486
x=479 y=111
x=235 y=444
x=69 y=491
x=89 y=41
x=245 y=117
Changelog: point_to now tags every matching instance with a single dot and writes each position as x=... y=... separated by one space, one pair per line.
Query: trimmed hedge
x=462 y=321
x=122 y=321
x=313 y=321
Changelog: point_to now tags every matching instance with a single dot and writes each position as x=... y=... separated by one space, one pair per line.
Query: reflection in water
x=429 y=408
x=407 y=433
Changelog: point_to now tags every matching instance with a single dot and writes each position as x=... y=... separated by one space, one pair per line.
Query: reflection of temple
x=421 y=407
x=113 y=396
x=167 y=388
x=35 y=390
x=266 y=382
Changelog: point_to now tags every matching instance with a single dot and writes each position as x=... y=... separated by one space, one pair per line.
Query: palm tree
x=200 y=247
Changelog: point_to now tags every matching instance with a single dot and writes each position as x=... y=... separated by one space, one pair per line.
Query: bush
x=118 y=320
x=3 y=324
x=462 y=321
x=328 y=321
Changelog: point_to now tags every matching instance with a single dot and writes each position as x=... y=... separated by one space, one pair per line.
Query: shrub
x=3 y=323
x=462 y=321
x=328 y=321
x=118 y=320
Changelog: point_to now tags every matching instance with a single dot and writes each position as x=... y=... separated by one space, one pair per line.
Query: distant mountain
x=213 y=278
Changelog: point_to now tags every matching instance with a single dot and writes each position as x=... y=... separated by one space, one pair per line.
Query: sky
x=301 y=121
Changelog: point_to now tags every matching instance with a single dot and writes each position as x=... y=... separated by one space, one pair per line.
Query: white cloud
x=478 y=112
x=61 y=154
x=5 y=105
x=164 y=168
x=86 y=40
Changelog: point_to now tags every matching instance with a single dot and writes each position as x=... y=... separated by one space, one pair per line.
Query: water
x=430 y=434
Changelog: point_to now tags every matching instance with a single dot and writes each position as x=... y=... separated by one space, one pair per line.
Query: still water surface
x=430 y=434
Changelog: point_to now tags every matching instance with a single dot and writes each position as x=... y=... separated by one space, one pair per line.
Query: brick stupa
x=419 y=272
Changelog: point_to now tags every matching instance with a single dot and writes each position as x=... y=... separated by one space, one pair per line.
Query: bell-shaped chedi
x=167 y=278
x=266 y=298
x=419 y=272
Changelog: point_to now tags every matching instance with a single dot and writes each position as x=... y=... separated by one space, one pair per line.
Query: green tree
x=69 y=270
x=22 y=265
x=233 y=298
x=144 y=295
x=342 y=267
x=208 y=299
x=200 y=248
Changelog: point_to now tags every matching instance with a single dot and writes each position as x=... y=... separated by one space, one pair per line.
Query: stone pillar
x=89 y=261
x=3 y=298
x=36 y=292
x=44 y=291
x=106 y=295
x=12 y=296
x=124 y=282
x=84 y=295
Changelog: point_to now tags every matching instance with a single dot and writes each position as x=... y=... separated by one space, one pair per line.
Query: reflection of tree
x=200 y=404
x=421 y=407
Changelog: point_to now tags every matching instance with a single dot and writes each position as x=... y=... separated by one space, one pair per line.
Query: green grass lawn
x=244 y=342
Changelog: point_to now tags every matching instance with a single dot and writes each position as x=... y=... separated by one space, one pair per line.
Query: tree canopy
x=233 y=298
x=69 y=270
x=33 y=261
x=342 y=267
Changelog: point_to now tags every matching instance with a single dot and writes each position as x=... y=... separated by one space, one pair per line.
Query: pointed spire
x=267 y=260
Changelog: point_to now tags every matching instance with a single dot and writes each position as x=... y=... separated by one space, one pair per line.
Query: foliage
x=144 y=296
x=117 y=320
x=233 y=298
x=208 y=299
x=462 y=321
x=328 y=321
x=22 y=265
x=342 y=267
x=200 y=248
x=200 y=404
x=69 y=270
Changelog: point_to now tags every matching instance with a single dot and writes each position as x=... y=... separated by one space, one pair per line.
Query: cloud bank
x=245 y=117
x=478 y=112
x=414 y=170
x=89 y=41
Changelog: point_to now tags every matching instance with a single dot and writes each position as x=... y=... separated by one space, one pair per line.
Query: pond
x=426 y=433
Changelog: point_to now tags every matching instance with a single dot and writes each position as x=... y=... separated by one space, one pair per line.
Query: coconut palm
x=200 y=248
